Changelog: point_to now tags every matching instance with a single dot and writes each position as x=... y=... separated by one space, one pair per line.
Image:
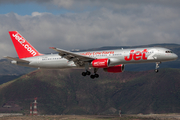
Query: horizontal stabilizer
x=16 y=59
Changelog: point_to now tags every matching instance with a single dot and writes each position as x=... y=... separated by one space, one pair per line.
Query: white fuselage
x=120 y=56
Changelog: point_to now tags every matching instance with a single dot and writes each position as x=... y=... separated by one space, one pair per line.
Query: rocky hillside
x=6 y=68
x=67 y=92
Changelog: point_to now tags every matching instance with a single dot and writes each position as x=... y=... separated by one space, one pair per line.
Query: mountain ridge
x=66 y=92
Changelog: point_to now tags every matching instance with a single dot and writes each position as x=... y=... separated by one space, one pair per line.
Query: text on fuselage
x=138 y=55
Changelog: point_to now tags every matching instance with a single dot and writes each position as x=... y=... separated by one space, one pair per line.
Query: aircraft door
x=39 y=60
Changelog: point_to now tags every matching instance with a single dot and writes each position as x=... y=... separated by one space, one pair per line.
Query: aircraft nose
x=175 y=56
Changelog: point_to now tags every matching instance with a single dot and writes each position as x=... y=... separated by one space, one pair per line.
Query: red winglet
x=51 y=47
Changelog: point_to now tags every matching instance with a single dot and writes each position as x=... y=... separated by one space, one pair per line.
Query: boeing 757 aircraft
x=112 y=61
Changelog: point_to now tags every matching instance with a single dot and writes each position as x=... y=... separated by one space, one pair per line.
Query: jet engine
x=115 y=69
x=101 y=63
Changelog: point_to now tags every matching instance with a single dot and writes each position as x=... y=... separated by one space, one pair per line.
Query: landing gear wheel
x=92 y=76
x=156 y=70
x=83 y=73
x=96 y=75
x=88 y=73
x=157 y=66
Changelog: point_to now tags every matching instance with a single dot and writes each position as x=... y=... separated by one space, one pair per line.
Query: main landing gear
x=157 y=66
x=95 y=74
x=91 y=76
x=87 y=68
x=86 y=73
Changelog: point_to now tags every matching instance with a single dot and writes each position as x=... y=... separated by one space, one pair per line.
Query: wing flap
x=70 y=56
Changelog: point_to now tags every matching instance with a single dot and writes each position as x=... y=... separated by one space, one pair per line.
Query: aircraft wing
x=16 y=59
x=73 y=56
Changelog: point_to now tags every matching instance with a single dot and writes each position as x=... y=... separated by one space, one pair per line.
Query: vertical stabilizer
x=23 y=48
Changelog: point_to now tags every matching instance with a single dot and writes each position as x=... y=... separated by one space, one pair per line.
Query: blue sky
x=83 y=24
x=29 y=8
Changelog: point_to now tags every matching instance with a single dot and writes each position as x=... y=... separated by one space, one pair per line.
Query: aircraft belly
x=140 y=61
x=143 y=61
x=51 y=64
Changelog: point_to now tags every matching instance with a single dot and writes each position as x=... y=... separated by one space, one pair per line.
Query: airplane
x=112 y=61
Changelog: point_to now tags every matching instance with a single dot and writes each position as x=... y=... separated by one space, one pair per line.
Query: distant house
x=10 y=106
x=6 y=106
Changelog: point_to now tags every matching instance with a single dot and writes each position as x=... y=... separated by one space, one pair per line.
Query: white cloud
x=102 y=27
x=36 y=14
x=63 y=3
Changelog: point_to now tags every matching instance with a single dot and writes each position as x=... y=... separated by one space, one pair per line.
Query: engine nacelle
x=114 y=62
x=115 y=69
x=101 y=63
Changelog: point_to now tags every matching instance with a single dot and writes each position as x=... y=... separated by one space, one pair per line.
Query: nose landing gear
x=156 y=70
x=157 y=66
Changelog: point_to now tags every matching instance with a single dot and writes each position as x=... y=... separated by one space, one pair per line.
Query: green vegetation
x=7 y=78
x=6 y=68
x=77 y=117
x=67 y=92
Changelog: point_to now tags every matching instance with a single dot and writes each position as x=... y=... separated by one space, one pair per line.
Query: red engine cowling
x=101 y=63
x=115 y=69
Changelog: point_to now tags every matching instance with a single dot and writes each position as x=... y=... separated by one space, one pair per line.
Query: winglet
x=52 y=48
x=23 y=48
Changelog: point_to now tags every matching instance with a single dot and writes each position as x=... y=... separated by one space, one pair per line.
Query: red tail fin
x=23 y=48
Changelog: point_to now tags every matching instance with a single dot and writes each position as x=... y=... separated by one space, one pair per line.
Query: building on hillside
x=10 y=106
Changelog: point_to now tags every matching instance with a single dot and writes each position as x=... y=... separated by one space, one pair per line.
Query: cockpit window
x=168 y=51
